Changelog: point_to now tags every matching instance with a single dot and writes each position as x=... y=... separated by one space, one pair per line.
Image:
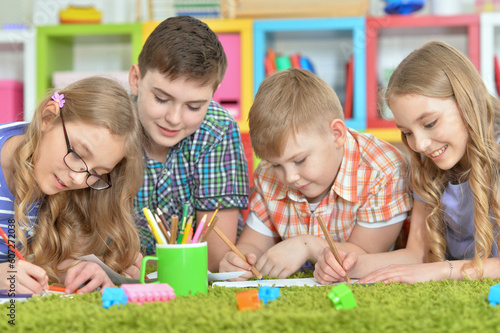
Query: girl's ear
x=133 y=79
x=49 y=113
x=339 y=131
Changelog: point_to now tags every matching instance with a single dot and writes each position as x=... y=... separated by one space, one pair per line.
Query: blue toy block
x=494 y=295
x=267 y=293
x=111 y=296
x=342 y=297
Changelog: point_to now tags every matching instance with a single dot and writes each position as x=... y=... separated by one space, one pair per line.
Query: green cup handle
x=143 y=268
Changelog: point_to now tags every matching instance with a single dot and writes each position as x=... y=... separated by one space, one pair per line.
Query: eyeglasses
x=75 y=163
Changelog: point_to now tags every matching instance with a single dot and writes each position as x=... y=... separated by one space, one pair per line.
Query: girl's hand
x=328 y=270
x=134 y=271
x=231 y=262
x=28 y=279
x=88 y=273
x=284 y=258
x=409 y=273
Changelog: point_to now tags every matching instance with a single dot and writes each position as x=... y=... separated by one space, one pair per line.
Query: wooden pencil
x=209 y=229
x=235 y=250
x=162 y=228
x=162 y=218
x=173 y=236
x=329 y=240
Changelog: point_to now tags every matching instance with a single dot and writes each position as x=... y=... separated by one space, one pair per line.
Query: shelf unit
x=12 y=43
x=490 y=46
x=85 y=47
x=404 y=34
x=329 y=49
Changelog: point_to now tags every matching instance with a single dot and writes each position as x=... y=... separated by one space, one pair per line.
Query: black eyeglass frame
x=72 y=151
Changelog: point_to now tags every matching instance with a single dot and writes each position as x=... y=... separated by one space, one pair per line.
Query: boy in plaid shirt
x=313 y=165
x=193 y=146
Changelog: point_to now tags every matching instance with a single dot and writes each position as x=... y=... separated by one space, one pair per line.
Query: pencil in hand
x=235 y=250
x=329 y=240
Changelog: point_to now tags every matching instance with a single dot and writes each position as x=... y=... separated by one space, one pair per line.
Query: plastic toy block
x=342 y=297
x=248 y=299
x=267 y=293
x=154 y=292
x=494 y=295
x=111 y=296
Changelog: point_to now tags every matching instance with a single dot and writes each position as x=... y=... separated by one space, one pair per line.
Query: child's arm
x=328 y=270
x=134 y=271
x=252 y=244
x=28 y=279
x=228 y=223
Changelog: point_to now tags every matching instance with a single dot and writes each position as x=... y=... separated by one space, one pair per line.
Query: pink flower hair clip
x=59 y=99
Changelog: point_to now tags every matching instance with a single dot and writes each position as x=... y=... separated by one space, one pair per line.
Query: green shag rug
x=445 y=306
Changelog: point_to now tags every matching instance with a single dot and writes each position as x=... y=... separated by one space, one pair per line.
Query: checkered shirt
x=371 y=186
x=202 y=170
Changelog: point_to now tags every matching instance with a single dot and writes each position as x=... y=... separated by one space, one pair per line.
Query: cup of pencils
x=183 y=266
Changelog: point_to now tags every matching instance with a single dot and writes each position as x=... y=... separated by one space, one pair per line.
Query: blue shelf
x=267 y=33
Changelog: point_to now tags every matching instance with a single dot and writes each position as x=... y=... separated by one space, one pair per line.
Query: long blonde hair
x=440 y=71
x=79 y=222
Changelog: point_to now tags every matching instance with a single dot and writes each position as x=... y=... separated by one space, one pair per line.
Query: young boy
x=193 y=146
x=313 y=165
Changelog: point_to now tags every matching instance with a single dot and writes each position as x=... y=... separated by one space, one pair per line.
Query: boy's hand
x=233 y=263
x=88 y=273
x=328 y=270
x=284 y=258
x=29 y=278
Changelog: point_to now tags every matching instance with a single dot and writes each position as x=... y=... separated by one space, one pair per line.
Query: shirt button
x=164 y=171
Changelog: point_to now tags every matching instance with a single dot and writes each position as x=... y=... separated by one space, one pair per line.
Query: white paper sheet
x=310 y=282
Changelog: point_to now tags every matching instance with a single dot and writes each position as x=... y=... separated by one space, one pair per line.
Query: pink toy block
x=153 y=292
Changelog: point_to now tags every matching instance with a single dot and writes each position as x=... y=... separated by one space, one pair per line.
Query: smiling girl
x=67 y=186
x=450 y=123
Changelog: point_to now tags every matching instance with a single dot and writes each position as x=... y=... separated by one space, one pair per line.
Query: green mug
x=183 y=266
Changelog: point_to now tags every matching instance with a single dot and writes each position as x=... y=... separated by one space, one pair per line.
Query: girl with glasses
x=67 y=183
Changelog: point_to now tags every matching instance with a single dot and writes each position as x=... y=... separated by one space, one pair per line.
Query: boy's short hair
x=183 y=46
x=287 y=102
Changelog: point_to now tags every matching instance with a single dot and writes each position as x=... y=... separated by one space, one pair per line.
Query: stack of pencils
x=178 y=233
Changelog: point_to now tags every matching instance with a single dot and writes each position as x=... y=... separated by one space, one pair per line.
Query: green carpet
x=445 y=306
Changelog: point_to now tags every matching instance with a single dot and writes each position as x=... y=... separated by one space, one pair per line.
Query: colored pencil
x=209 y=229
x=235 y=250
x=12 y=247
x=329 y=240
x=173 y=236
x=187 y=230
x=160 y=239
x=199 y=229
x=162 y=228
x=162 y=218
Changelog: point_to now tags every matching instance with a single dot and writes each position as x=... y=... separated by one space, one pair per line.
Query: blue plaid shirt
x=206 y=168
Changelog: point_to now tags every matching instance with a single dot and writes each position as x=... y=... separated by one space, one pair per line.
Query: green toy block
x=342 y=297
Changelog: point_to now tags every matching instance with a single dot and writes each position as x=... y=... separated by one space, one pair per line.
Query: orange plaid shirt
x=371 y=186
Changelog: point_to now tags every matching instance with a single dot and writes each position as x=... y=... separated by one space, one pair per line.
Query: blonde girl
x=67 y=188
x=450 y=123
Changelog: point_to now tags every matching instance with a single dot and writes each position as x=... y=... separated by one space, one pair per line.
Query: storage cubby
x=327 y=43
x=391 y=38
x=91 y=48
x=490 y=47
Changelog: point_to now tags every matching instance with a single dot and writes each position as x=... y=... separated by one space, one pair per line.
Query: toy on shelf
x=267 y=293
x=140 y=293
x=80 y=14
x=403 y=7
x=274 y=63
x=248 y=300
x=342 y=297
x=111 y=296
x=485 y=6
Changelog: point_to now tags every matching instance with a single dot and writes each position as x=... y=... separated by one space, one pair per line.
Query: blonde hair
x=286 y=102
x=438 y=70
x=99 y=222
